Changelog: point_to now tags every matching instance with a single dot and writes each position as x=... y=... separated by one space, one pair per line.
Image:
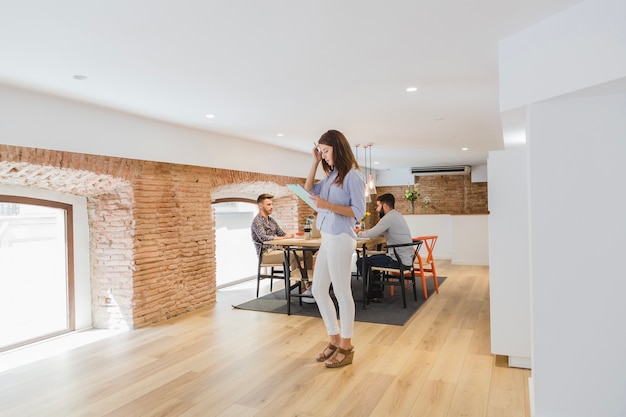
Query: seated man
x=395 y=229
x=265 y=228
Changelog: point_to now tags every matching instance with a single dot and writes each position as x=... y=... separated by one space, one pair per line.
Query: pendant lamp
x=370 y=181
x=366 y=191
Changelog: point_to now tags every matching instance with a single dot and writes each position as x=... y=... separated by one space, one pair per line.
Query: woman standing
x=340 y=200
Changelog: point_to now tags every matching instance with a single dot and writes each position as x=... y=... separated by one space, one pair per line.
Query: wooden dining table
x=312 y=245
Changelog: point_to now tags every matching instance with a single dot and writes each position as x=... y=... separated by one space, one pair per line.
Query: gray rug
x=388 y=311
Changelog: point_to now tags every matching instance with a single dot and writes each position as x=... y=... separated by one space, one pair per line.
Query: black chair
x=397 y=276
x=369 y=252
x=276 y=271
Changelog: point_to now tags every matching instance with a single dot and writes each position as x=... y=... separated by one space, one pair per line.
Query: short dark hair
x=263 y=197
x=388 y=199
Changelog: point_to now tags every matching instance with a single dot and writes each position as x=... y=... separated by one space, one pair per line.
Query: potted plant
x=411 y=194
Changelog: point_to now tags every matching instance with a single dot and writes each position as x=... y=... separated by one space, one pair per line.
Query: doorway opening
x=235 y=254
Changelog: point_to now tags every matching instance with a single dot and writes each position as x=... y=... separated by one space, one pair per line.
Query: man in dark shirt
x=265 y=228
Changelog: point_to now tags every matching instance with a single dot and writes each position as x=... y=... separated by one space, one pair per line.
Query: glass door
x=36 y=282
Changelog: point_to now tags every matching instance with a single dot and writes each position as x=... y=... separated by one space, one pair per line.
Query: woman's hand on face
x=317 y=155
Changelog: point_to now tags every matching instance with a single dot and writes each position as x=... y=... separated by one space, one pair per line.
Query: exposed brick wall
x=111 y=257
x=449 y=194
x=174 y=235
x=285 y=212
x=476 y=197
x=109 y=207
x=152 y=230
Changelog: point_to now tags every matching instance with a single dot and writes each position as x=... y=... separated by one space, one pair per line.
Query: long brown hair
x=343 y=158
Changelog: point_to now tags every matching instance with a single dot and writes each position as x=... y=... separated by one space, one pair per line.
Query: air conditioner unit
x=442 y=170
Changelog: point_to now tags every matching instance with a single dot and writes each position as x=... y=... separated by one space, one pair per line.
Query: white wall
x=579 y=367
x=470 y=239
x=433 y=224
x=397 y=176
x=509 y=282
x=47 y=122
x=479 y=173
x=578 y=48
x=462 y=239
x=576 y=152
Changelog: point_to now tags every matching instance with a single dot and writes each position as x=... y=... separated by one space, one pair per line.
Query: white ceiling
x=292 y=67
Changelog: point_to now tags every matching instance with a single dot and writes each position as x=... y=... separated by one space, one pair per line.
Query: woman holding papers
x=339 y=200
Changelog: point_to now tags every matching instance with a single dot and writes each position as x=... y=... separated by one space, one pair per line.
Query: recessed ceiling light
x=280 y=134
x=375 y=162
x=411 y=89
x=464 y=149
x=209 y=116
x=79 y=77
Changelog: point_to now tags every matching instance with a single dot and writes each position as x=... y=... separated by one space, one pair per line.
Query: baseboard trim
x=519 y=362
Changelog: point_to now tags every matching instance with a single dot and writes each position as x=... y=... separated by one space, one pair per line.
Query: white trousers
x=334 y=265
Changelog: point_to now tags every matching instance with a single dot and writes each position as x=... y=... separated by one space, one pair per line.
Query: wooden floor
x=225 y=362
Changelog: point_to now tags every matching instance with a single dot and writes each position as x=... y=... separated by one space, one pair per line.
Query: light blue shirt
x=351 y=193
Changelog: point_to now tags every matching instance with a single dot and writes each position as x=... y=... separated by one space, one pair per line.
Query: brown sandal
x=348 y=355
x=322 y=356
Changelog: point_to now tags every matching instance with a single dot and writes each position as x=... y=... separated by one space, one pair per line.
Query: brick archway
x=111 y=232
x=152 y=230
x=249 y=190
x=285 y=202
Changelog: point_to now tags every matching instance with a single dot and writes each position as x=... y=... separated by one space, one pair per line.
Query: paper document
x=303 y=194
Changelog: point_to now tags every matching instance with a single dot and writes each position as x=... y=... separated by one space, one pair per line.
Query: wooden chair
x=276 y=271
x=425 y=267
x=399 y=276
x=308 y=260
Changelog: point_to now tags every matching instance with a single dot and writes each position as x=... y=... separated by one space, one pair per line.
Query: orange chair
x=425 y=268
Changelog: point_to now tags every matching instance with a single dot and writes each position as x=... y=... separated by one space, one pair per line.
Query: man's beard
x=381 y=213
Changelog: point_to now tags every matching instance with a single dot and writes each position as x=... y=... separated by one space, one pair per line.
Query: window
x=235 y=253
x=36 y=270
